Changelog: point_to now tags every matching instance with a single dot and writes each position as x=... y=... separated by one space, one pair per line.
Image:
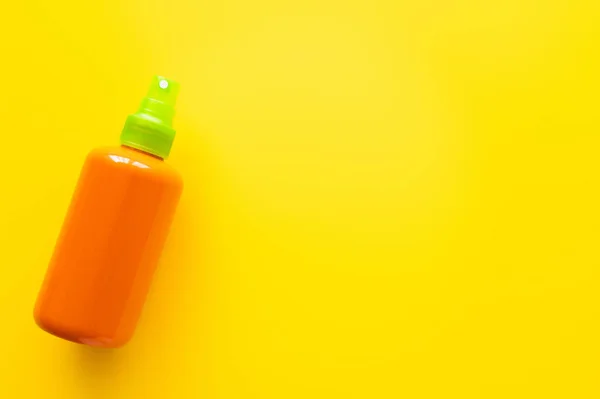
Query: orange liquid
x=108 y=248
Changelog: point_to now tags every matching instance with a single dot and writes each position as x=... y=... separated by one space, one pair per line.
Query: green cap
x=150 y=129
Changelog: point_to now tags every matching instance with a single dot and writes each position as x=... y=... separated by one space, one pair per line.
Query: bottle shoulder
x=135 y=162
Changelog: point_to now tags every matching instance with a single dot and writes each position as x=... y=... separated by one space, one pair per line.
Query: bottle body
x=109 y=247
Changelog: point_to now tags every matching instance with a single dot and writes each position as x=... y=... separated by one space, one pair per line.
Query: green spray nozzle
x=150 y=129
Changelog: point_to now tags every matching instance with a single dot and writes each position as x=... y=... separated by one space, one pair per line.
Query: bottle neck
x=142 y=152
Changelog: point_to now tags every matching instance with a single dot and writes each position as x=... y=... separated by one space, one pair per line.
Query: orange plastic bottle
x=114 y=231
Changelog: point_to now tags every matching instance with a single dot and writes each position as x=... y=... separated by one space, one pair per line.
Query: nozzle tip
x=164 y=90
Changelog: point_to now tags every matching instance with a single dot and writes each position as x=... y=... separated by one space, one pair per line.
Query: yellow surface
x=383 y=199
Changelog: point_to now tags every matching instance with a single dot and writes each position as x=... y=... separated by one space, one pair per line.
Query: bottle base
x=75 y=335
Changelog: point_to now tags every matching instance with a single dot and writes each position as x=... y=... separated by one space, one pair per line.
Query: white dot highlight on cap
x=163 y=84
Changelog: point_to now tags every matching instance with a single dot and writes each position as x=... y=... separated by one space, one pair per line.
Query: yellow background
x=384 y=199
